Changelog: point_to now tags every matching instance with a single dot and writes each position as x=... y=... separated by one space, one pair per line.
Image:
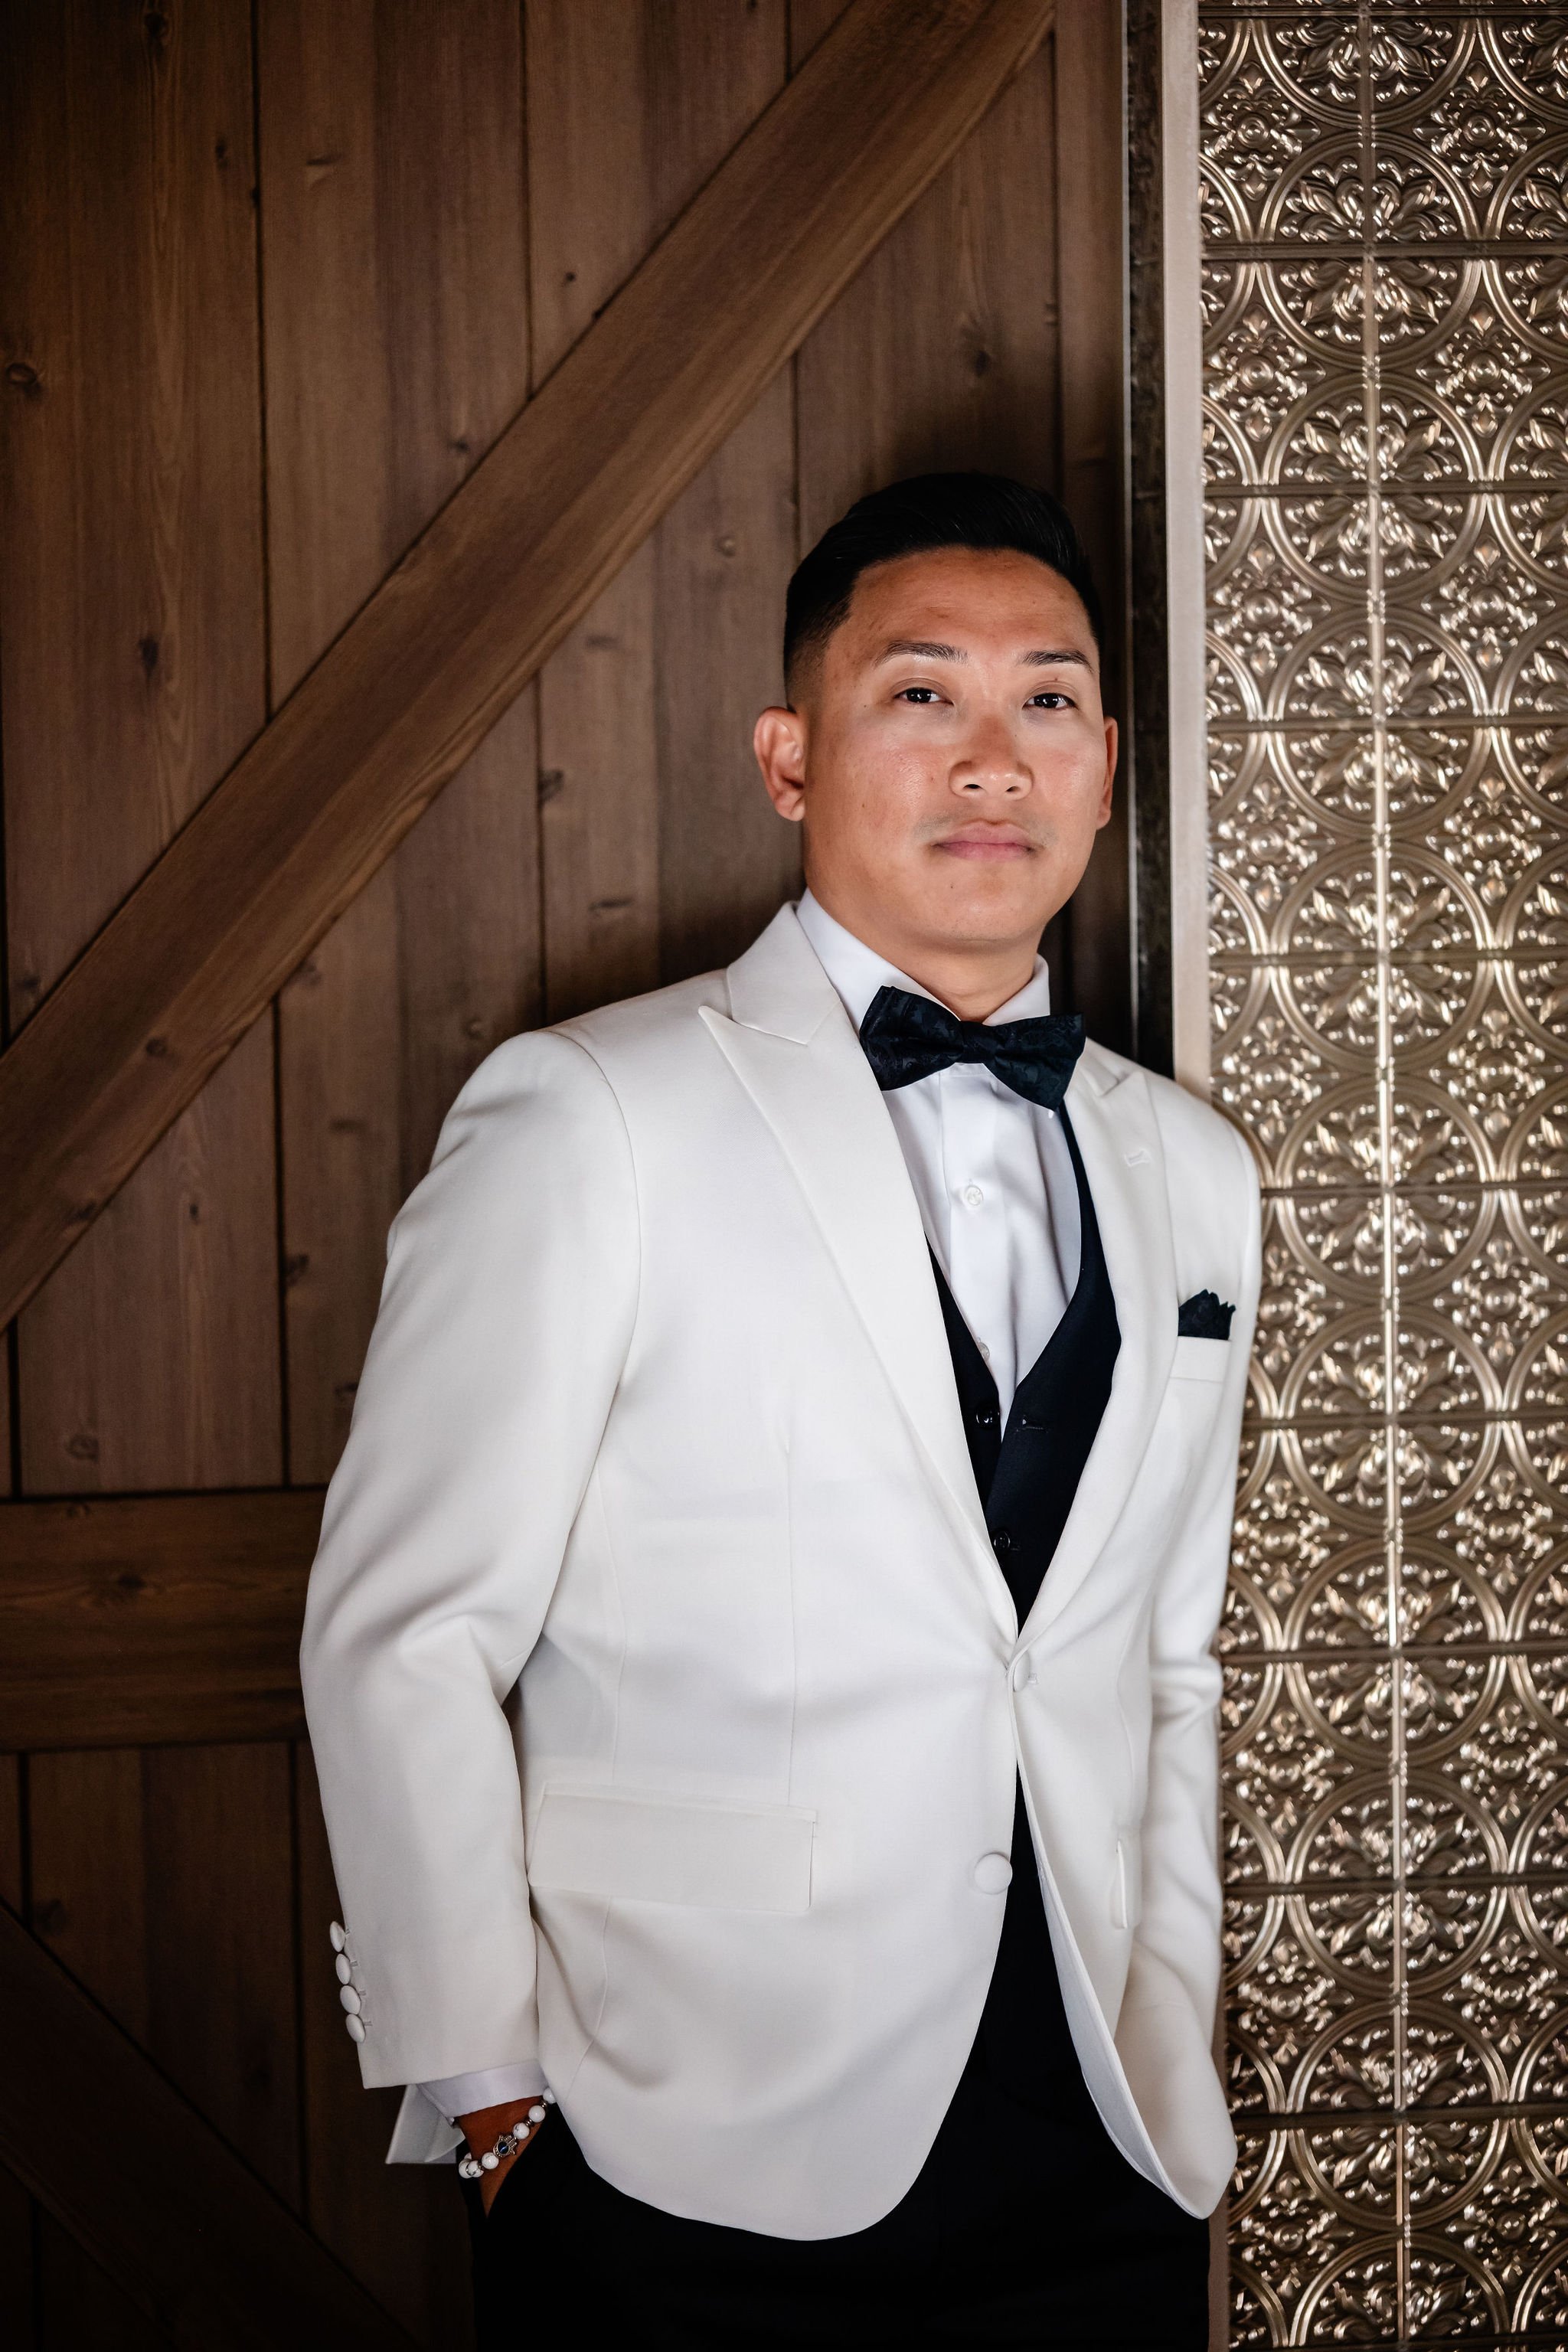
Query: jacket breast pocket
x=1200 y=1359
x=625 y=1846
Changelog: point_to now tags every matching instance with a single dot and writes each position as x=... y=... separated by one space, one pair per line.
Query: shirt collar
x=857 y=971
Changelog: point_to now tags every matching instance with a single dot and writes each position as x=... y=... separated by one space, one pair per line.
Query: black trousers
x=1025 y=2226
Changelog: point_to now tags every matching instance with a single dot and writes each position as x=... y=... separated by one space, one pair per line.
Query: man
x=758 y=1656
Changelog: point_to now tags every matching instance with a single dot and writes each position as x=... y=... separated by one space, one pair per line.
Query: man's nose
x=992 y=763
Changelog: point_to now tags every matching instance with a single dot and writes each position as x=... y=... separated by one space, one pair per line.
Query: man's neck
x=972 y=979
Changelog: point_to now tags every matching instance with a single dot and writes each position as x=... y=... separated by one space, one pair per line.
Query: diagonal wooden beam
x=140 y=1620
x=126 y=2164
x=390 y=712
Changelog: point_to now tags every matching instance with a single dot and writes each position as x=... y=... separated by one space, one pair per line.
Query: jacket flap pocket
x=1200 y=1359
x=649 y=1849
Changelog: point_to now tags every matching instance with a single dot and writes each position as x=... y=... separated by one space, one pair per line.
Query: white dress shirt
x=999 y=1202
x=990 y=1171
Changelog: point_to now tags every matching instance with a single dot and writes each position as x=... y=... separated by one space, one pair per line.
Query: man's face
x=949 y=756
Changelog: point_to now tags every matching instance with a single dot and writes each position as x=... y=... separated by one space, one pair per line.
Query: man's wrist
x=497 y=2136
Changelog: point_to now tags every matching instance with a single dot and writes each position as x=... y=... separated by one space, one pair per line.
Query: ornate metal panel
x=1385 y=238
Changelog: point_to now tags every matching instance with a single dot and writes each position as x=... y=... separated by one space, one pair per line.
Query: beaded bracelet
x=509 y=2142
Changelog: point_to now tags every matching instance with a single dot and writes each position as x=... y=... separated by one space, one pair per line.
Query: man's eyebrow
x=923 y=649
x=927 y=649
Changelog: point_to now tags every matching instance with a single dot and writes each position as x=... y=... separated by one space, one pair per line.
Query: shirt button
x=993 y=1874
x=344 y=1973
x=349 y=1998
x=972 y=1196
x=356 y=2029
x=1001 y=1543
x=336 y=1935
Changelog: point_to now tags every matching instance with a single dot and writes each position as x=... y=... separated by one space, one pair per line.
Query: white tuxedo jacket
x=666 y=1695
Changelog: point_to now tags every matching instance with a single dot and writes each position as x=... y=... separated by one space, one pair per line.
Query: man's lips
x=996 y=843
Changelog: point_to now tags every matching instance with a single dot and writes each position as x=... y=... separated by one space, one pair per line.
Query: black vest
x=1028 y=1475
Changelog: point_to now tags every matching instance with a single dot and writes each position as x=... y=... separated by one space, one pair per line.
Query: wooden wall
x=274 y=274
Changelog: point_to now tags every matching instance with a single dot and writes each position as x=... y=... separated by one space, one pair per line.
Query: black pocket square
x=1204 y=1316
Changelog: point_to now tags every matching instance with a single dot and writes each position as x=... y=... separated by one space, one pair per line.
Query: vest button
x=993 y=1874
x=1001 y=1543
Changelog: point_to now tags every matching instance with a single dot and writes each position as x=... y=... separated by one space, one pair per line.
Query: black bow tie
x=908 y=1037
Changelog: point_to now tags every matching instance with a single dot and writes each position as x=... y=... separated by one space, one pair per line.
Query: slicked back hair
x=931 y=511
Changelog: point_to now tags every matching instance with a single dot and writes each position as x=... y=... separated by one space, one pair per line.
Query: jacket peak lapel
x=1112 y=1117
x=792 y=1046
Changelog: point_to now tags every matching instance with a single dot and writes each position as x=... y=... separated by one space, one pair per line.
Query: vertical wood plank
x=90 y=1897
x=943 y=352
x=590 y=222
x=89 y=1905
x=18 y=2286
x=222 y=2020
x=1090 y=149
x=130 y=676
x=598 y=794
x=17 y=2277
x=660 y=853
x=395 y=331
x=726 y=548
x=723 y=556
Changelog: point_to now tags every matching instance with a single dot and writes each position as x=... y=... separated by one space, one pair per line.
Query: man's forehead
x=1035 y=617
x=968 y=600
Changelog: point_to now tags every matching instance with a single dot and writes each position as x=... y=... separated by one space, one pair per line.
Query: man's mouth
x=991 y=844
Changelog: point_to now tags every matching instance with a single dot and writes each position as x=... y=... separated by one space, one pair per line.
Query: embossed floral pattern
x=1386 y=290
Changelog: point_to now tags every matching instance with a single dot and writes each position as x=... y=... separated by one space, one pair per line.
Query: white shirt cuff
x=492 y=2086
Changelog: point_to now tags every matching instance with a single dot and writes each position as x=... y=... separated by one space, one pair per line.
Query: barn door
x=279 y=278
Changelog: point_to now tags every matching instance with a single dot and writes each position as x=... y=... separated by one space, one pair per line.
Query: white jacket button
x=993 y=1874
x=341 y=1964
x=356 y=2029
x=1023 y=1671
x=338 y=1935
x=349 y=1998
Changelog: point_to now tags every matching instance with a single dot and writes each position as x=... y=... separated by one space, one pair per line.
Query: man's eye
x=922 y=694
x=1048 y=702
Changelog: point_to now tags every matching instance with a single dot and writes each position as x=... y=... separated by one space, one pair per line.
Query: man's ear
x=1111 y=740
x=779 y=742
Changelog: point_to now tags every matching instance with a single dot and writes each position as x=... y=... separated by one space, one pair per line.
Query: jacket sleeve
x=1176 y=1948
x=505 y=1318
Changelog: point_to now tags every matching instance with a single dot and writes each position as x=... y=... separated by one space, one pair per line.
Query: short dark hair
x=931 y=511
